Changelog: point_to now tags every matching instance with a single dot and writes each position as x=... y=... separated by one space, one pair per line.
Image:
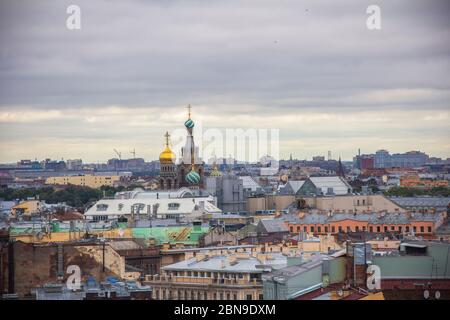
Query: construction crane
x=118 y=154
x=133 y=152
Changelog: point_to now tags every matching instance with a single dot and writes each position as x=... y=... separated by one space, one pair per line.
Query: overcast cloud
x=310 y=68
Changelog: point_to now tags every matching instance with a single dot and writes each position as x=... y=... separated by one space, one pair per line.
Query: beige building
x=27 y=208
x=88 y=180
x=225 y=274
x=353 y=203
x=269 y=202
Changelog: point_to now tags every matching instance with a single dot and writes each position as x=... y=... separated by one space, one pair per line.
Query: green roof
x=172 y=235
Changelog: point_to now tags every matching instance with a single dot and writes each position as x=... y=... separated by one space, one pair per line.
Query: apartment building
x=86 y=180
x=219 y=274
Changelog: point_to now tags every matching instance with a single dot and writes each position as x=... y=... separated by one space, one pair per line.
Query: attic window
x=102 y=207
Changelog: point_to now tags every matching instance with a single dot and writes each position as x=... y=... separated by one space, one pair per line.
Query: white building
x=138 y=205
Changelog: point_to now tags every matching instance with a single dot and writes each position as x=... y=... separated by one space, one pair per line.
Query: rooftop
x=225 y=264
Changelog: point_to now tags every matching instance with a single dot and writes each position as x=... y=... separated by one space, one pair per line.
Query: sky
x=311 y=69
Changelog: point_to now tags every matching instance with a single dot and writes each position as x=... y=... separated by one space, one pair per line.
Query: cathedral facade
x=189 y=172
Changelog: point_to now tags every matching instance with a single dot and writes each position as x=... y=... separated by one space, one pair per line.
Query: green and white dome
x=193 y=177
x=189 y=123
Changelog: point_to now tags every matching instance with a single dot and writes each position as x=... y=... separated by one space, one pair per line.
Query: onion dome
x=193 y=177
x=215 y=172
x=167 y=156
x=189 y=124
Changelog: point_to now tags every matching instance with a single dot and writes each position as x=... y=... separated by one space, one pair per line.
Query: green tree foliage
x=75 y=196
x=411 y=192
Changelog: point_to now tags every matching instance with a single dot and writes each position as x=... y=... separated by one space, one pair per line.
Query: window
x=422 y=229
x=392 y=228
x=248 y=297
x=371 y=229
x=407 y=228
x=385 y=229
x=340 y=229
x=348 y=229
x=120 y=207
x=356 y=228
x=333 y=229
x=429 y=229
x=326 y=229
x=319 y=229
x=291 y=228
x=399 y=228
x=304 y=229
x=312 y=229
x=100 y=218
x=298 y=229
x=137 y=208
x=415 y=229
x=378 y=229
x=364 y=229
x=102 y=207
x=174 y=206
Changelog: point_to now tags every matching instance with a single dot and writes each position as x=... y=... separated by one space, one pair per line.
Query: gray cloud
x=262 y=58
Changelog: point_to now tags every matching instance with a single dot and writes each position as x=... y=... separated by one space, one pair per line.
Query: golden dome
x=167 y=156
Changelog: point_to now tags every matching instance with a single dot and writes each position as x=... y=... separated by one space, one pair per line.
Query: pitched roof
x=123 y=206
x=222 y=263
x=339 y=185
x=436 y=202
x=273 y=225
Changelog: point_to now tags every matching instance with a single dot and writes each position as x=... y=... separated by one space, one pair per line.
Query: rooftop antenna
x=133 y=152
x=329 y=155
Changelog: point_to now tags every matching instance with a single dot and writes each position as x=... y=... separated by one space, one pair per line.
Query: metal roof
x=339 y=185
x=222 y=264
x=436 y=202
x=273 y=225
x=373 y=218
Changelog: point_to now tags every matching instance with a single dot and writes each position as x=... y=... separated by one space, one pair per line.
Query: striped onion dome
x=193 y=177
x=189 y=124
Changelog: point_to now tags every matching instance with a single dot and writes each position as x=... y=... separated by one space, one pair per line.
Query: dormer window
x=102 y=207
x=174 y=206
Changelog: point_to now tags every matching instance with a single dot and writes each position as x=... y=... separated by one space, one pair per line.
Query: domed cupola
x=167 y=156
x=189 y=124
x=193 y=177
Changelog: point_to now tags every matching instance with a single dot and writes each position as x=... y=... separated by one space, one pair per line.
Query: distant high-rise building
x=409 y=159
